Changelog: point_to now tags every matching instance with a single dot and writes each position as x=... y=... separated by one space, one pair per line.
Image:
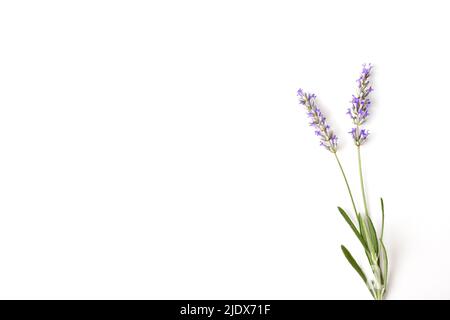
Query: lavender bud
x=327 y=138
x=359 y=135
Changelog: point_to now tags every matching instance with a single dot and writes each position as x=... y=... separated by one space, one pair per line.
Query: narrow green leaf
x=352 y=226
x=360 y=223
x=354 y=264
x=366 y=250
x=373 y=234
x=385 y=263
x=382 y=218
x=358 y=269
x=367 y=236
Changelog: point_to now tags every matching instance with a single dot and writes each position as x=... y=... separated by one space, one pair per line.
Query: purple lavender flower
x=359 y=111
x=327 y=138
x=359 y=135
x=361 y=103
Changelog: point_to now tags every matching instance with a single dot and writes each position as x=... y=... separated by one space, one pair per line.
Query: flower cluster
x=359 y=135
x=327 y=138
x=359 y=111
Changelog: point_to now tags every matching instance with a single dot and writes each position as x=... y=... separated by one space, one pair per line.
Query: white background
x=157 y=150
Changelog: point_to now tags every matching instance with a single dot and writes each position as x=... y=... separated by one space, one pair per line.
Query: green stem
x=377 y=293
x=377 y=262
x=362 y=180
x=346 y=183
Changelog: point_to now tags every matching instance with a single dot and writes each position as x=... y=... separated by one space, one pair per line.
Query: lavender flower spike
x=327 y=138
x=361 y=103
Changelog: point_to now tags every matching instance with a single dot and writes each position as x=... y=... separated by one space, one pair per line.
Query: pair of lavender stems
x=358 y=112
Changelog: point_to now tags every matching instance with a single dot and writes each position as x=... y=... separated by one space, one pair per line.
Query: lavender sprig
x=364 y=228
x=359 y=111
x=327 y=137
